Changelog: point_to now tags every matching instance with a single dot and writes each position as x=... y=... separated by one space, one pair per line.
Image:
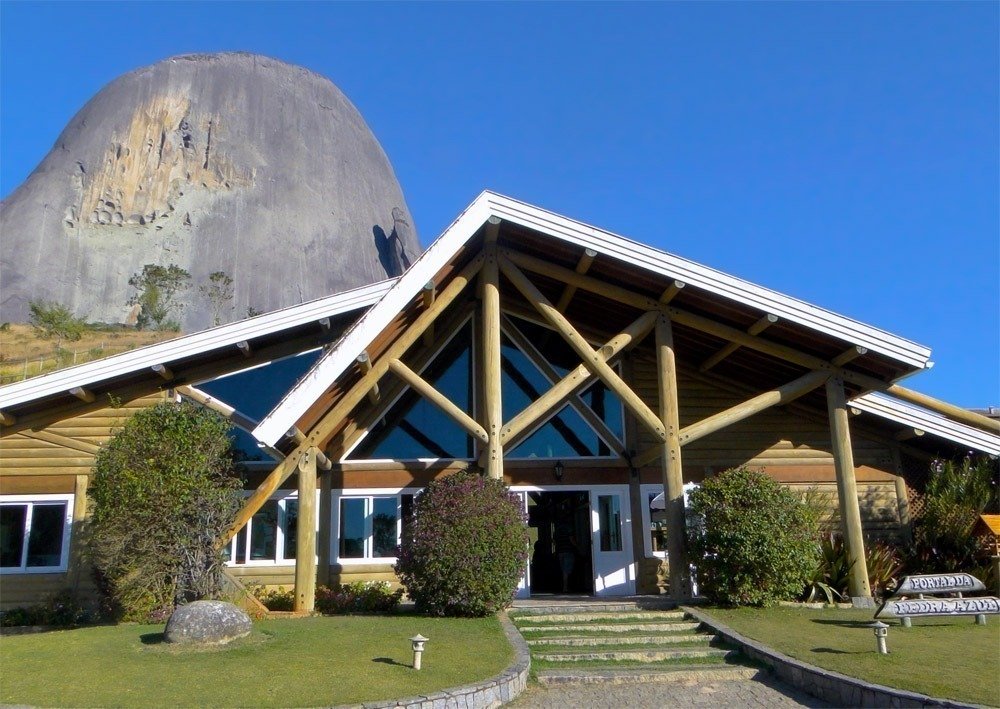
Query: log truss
x=494 y=435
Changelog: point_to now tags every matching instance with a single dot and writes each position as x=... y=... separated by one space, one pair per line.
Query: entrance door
x=614 y=569
x=559 y=527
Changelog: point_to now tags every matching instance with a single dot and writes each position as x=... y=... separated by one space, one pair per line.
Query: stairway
x=620 y=643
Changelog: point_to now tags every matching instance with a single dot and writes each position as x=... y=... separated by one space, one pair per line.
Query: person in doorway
x=564 y=539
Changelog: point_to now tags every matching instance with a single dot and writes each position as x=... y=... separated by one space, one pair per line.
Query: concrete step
x=633 y=655
x=681 y=673
x=539 y=607
x=663 y=627
x=646 y=616
x=665 y=639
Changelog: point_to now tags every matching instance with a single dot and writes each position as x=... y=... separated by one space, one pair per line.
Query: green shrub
x=273 y=599
x=50 y=319
x=63 y=609
x=158 y=289
x=832 y=574
x=955 y=495
x=358 y=597
x=164 y=489
x=465 y=548
x=753 y=541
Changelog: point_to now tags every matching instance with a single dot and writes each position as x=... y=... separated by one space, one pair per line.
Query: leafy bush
x=51 y=319
x=273 y=599
x=157 y=289
x=465 y=548
x=955 y=495
x=164 y=489
x=358 y=597
x=63 y=609
x=753 y=541
x=832 y=574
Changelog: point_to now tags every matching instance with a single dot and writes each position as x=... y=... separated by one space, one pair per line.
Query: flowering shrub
x=274 y=600
x=62 y=609
x=358 y=597
x=466 y=547
x=754 y=542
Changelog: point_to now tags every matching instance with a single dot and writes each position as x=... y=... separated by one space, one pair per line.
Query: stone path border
x=833 y=687
x=489 y=693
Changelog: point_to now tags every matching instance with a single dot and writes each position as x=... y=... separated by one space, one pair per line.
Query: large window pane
x=45 y=540
x=384 y=527
x=352 y=528
x=264 y=532
x=291 y=527
x=12 y=523
x=657 y=523
x=609 y=509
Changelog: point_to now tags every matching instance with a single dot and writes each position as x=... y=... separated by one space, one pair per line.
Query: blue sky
x=847 y=154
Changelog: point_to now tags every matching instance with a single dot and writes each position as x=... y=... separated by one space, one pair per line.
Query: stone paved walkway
x=763 y=692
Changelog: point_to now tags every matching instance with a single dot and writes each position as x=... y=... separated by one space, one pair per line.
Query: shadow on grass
x=152 y=638
x=843 y=623
x=832 y=651
x=389 y=661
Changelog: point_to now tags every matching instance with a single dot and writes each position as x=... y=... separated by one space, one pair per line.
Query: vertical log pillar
x=847 y=489
x=325 y=540
x=76 y=559
x=305 y=541
x=492 y=459
x=639 y=531
x=673 y=475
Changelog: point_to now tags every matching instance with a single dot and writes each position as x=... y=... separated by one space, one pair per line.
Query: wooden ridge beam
x=582 y=266
x=577 y=379
x=65 y=441
x=594 y=362
x=217 y=405
x=955 y=413
x=727 y=349
x=365 y=365
x=538 y=359
x=427 y=390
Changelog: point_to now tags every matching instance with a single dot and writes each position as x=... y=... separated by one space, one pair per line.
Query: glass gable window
x=416 y=429
x=565 y=435
x=255 y=392
x=269 y=536
x=34 y=533
x=370 y=526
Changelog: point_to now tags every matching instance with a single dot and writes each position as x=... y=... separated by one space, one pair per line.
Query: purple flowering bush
x=465 y=547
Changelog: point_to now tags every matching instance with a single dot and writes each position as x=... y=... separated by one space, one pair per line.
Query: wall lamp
x=558 y=470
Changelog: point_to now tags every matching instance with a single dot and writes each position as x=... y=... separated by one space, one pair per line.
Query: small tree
x=164 y=490
x=219 y=293
x=51 y=319
x=754 y=542
x=465 y=548
x=157 y=289
x=957 y=492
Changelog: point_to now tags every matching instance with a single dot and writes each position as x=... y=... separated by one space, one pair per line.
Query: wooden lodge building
x=595 y=375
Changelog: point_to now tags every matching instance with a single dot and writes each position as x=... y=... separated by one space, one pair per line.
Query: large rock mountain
x=213 y=162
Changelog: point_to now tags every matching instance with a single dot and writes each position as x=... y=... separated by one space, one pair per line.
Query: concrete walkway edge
x=492 y=692
x=830 y=686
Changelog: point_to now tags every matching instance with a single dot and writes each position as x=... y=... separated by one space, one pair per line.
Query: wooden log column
x=673 y=475
x=847 y=489
x=305 y=540
x=324 y=542
x=492 y=459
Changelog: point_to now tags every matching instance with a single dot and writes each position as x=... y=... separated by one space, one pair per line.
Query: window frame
x=368 y=495
x=31 y=500
x=282 y=498
x=645 y=490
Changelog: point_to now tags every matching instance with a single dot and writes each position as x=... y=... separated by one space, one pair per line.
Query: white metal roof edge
x=335 y=361
x=165 y=352
x=332 y=364
x=909 y=415
x=646 y=257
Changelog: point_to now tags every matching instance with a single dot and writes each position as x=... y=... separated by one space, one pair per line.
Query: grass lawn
x=944 y=657
x=290 y=662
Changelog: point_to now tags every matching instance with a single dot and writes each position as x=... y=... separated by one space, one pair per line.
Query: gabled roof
x=194 y=356
x=888 y=355
x=915 y=417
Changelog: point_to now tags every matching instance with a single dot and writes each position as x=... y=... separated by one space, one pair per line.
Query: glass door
x=614 y=568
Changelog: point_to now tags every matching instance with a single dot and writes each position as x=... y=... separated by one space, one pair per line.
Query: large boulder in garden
x=207 y=623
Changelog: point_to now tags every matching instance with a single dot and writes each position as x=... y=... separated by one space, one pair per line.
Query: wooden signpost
x=902 y=604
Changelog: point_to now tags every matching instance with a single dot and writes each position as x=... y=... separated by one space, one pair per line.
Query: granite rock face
x=207 y=623
x=218 y=162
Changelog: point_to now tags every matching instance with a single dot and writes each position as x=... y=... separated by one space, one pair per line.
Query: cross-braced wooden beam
x=582 y=266
x=576 y=379
x=538 y=359
x=427 y=390
x=591 y=360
